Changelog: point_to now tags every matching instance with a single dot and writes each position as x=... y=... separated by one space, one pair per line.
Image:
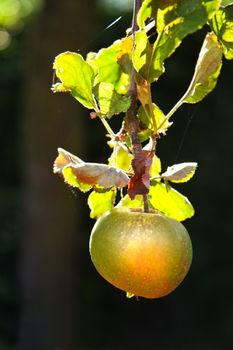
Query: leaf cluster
x=104 y=81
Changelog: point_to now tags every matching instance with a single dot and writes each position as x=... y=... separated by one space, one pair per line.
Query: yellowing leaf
x=206 y=71
x=99 y=203
x=182 y=172
x=71 y=179
x=92 y=174
x=124 y=58
x=170 y=202
x=76 y=76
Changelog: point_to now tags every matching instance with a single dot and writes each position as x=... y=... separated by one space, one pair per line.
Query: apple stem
x=146 y=203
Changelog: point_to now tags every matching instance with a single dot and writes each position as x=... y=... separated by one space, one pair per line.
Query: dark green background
x=51 y=297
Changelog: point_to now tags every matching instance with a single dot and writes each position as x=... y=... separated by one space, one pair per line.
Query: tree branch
x=131 y=120
x=132 y=123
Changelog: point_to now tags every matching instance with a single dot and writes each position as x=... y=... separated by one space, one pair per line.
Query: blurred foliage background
x=50 y=295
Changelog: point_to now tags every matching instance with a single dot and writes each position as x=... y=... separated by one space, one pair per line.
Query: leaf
x=225 y=3
x=174 y=20
x=155 y=168
x=166 y=12
x=76 y=76
x=120 y=157
x=71 y=179
x=140 y=182
x=206 y=71
x=127 y=202
x=124 y=58
x=171 y=202
x=222 y=25
x=99 y=203
x=146 y=10
x=108 y=65
x=142 y=54
x=182 y=172
x=92 y=174
x=109 y=101
x=162 y=123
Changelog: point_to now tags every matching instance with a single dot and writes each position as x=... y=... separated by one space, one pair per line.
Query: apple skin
x=144 y=254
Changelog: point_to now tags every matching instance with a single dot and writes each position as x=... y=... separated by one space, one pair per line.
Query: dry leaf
x=89 y=173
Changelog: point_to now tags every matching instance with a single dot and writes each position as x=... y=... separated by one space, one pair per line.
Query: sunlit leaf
x=225 y=3
x=71 y=179
x=171 y=202
x=120 y=157
x=99 y=203
x=174 y=20
x=109 y=70
x=124 y=58
x=142 y=55
x=165 y=12
x=91 y=174
x=76 y=76
x=155 y=168
x=206 y=71
x=109 y=101
x=162 y=123
x=182 y=172
x=137 y=202
x=222 y=25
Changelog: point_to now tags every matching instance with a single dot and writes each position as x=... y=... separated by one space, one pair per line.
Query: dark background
x=51 y=297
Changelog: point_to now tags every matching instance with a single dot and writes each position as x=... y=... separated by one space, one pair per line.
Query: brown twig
x=131 y=120
x=132 y=123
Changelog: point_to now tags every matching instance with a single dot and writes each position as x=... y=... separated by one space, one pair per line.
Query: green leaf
x=76 y=76
x=99 y=203
x=120 y=157
x=225 y=3
x=137 y=202
x=162 y=123
x=109 y=101
x=142 y=54
x=174 y=20
x=206 y=72
x=182 y=172
x=112 y=64
x=222 y=25
x=166 y=12
x=171 y=202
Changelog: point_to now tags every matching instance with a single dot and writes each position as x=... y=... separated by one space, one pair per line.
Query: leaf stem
x=174 y=109
x=108 y=128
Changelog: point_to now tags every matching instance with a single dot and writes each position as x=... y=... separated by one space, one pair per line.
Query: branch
x=132 y=123
x=131 y=119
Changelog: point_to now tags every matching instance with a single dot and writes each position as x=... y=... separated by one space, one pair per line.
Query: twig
x=131 y=120
x=132 y=123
